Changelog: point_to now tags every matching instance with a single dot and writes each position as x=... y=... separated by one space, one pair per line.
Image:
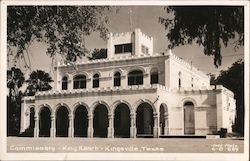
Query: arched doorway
x=100 y=121
x=62 y=122
x=189 y=126
x=122 y=121
x=44 y=122
x=80 y=121
x=32 y=118
x=144 y=120
x=164 y=119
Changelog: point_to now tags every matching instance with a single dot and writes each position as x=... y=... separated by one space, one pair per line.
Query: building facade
x=134 y=92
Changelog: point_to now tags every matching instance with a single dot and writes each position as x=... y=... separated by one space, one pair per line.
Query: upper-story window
x=96 y=80
x=135 y=77
x=154 y=78
x=144 y=49
x=65 y=83
x=79 y=82
x=179 y=82
x=117 y=79
x=123 y=48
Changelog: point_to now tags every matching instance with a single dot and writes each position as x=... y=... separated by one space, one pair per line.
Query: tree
x=209 y=26
x=15 y=80
x=62 y=28
x=233 y=79
x=38 y=81
x=98 y=54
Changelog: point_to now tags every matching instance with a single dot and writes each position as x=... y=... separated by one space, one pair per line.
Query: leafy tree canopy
x=38 y=81
x=62 y=28
x=98 y=54
x=209 y=26
x=233 y=79
x=15 y=80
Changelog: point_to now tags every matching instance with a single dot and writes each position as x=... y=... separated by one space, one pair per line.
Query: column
x=71 y=126
x=111 y=126
x=36 y=129
x=156 y=125
x=132 y=125
x=53 y=126
x=146 y=78
x=90 y=126
x=166 y=128
x=124 y=80
x=89 y=83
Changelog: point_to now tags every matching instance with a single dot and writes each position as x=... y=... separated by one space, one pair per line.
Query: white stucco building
x=134 y=92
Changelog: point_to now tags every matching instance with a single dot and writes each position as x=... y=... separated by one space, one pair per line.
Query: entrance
x=62 y=122
x=100 y=121
x=81 y=122
x=189 y=118
x=144 y=119
x=122 y=121
x=44 y=122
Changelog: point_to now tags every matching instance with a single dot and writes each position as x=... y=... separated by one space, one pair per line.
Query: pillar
x=132 y=125
x=111 y=126
x=146 y=78
x=166 y=128
x=36 y=129
x=71 y=126
x=90 y=126
x=124 y=80
x=156 y=125
x=53 y=126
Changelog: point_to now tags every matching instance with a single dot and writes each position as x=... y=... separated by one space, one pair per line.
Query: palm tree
x=38 y=81
x=15 y=80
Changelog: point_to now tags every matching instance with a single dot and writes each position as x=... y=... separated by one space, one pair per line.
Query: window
x=154 y=77
x=144 y=49
x=117 y=79
x=192 y=82
x=123 y=48
x=179 y=79
x=64 y=83
x=80 y=82
x=96 y=81
x=135 y=77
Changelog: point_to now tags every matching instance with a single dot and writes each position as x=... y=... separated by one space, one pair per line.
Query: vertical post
x=71 y=126
x=156 y=125
x=111 y=126
x=36 y=129
x=132 y=125
x=53 y=126
x=166 y=128
x=90 y=126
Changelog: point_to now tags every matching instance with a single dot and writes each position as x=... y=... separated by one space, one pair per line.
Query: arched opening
x=144 y=120
x=79 y=82
x=189 y=126
x=163 y=120
x=62 y=122
x=44 y=122
x=179 y=81
x=81 y=121
x=122 y=121
x=32 y=118
x=135 y=77
x=154 y=78
x=96 y=81
x=100 y=121
x=65 y=83
x=117 y=79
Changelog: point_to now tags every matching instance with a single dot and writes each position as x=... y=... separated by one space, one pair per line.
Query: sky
x=146 y=18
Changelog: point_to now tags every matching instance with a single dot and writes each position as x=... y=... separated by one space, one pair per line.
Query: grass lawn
x=125 y=145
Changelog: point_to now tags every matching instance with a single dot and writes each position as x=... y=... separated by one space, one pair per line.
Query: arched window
x=65 y=83
x=96 y=81
x=117 y=79
x=135 y=77
x=79 y=82
x=154 y=77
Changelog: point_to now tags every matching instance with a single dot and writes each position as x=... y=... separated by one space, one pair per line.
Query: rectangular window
x=123 y=48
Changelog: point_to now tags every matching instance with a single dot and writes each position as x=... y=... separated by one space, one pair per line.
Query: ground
x=128 y=145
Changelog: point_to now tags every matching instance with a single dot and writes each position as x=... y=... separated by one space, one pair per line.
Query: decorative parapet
x=103 y=89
